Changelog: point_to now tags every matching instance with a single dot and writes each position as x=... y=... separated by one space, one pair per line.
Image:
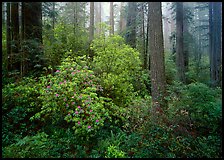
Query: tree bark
x=156 y=47
x=215 y=42
x=180 y=42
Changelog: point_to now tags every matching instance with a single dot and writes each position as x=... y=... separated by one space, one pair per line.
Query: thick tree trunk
x=179 y=42
x=156 y=47
x=215 y=42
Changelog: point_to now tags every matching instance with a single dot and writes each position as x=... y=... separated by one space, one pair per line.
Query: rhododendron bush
x=71 y=95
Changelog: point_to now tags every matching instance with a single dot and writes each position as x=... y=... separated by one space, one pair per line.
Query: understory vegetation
x=102 y=109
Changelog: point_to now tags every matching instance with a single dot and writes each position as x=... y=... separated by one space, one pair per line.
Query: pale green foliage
x=118 y=66
x=71 y=95
x=114 y=152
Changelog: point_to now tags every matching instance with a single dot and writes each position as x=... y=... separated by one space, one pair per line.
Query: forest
x=112 y=79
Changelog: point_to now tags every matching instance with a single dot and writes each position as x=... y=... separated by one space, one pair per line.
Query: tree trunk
x=156 y=47
x=32 y=36
x=215 y=42
x=75 y=16
x=122 y=23
x=111 y=18
x=143 y=37
x=53 y=18
x=33 y=21
x=15 y=35
x=179 y=42
x=8 y=36
x=186 y=44
x=91 y=28
x=147 y=40
x=131 y=24
x=98 y=17
x=3 y=14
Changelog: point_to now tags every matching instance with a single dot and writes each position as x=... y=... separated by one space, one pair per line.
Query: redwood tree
x=131 y=24
x=180 y=43
x=215 y=42
x=156 y=48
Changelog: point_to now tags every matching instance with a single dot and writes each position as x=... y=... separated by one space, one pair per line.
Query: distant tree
x=147 y=38
x=180 y=42
x=91 y=27
x=143 y=36
x=215 y=42
x=98 y=17
x=33 y=20
x=8 y=36
x=111 y=18
x=32 y=37
x=156 y=47
x=15 y=35
x=131 y=24
x=122 y=22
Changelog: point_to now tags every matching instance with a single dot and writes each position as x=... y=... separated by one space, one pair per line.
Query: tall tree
x=33 y=20
x=8 y=36
x=142 y=35
x=91 y=27
x=54 y=15
x=15 y=34
x=156 y=47
x=98 y=17
x=3 y=14
x=111 y=18
x=131 y=24
x=32 y=36
x=186 y=35
x=180 y=42
x=122 y=22
x=147 y=38
x=215 y=42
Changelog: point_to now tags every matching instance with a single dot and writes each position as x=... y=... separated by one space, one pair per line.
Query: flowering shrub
x=70 y=95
